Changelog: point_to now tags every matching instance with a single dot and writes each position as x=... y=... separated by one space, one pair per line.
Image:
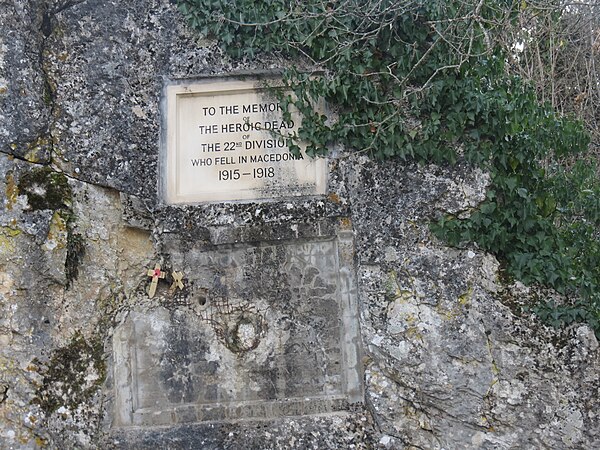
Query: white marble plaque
x=225 y=141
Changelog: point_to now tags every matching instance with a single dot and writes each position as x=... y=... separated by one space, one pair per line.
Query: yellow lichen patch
x=58 y=233
x=334 y=197
x=457 y=309
x=465 y=297
x=410 y=318
x=35 y=147
x=7 y=243
x=414 y=333
x=12 y=191
x=32 y=155
x=7 y=364
x=3 y=90
x=345 y=223
x=394 y=291
x=448 y=314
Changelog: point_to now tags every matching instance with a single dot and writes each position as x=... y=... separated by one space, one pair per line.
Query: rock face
x=450 y=365
x=327 y=322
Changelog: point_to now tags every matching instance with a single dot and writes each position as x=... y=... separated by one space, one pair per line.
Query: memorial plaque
x=244 y=343
x=226 y=141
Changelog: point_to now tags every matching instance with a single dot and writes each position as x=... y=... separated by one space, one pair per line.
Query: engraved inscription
x=228 y=141
x=244 y=343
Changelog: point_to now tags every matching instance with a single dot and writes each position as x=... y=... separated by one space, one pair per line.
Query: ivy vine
x=428 y=81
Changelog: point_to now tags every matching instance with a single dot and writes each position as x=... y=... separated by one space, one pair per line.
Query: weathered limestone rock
x=25 y=93
x=426 y=337
x=67 y=261
x=107 y=63
x=450 y=365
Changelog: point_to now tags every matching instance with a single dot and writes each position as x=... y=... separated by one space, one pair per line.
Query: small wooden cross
x=177 y=281
x=155 y=273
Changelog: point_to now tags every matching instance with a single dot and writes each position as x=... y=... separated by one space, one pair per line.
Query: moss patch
x=72 y=376
x=75 y=252
x=46 y=189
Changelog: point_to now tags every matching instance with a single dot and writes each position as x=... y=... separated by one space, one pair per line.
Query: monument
x=171 y=276
x=259 y=327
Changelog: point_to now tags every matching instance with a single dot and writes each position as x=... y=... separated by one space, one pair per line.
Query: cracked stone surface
x=24 y=92
x=447 y=362
x=449 y=365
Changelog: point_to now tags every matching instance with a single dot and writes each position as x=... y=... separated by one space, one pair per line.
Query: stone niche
x=260 y=331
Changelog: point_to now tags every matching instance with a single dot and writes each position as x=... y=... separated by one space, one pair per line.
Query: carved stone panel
x=259 y=332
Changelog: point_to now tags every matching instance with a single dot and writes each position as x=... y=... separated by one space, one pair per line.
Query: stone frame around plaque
x=166 y=364
x=217 y=145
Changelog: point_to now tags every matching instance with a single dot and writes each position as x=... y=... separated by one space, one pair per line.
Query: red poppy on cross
x=155 y=273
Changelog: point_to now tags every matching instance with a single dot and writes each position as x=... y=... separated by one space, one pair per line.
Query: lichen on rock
x=451 y=357
x=71 y=378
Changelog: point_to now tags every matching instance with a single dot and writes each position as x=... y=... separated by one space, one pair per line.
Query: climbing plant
x=427 y=81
